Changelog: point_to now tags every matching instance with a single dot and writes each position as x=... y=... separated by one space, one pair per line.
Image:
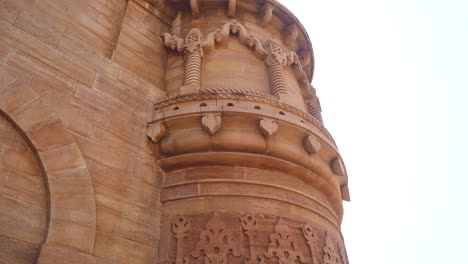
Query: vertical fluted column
x=275 y=61
x=193 y=54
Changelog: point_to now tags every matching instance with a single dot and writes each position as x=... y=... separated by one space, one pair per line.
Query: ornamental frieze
x=227 y=238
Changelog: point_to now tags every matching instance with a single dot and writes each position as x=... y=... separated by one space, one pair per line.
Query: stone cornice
x=247 y=95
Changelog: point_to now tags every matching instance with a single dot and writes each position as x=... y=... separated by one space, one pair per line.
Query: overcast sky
x=392 y=77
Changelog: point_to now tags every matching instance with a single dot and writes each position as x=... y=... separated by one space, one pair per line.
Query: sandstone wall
x=23 y=201
x=98 y=66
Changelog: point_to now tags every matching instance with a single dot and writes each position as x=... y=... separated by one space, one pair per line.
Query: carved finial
x=311 y=144
x=211 y=123
x=156 y=132
x=337 y=167
x=265 y=14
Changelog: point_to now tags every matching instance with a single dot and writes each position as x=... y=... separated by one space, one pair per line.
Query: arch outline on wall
x=72 y=209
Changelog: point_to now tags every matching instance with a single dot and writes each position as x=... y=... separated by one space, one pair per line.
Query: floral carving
x=180 y=226
x=330 y=256
x=249 y=225
x=311 y=236
x=283 y=247
x=215 y=242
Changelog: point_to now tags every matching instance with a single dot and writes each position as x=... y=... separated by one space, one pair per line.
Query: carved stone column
x=275 y=62
x=193 y=59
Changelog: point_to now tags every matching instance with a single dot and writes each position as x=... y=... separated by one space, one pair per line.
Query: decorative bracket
x=156 y=132
x=311 y=144
x=265 y=14
x=211 y=123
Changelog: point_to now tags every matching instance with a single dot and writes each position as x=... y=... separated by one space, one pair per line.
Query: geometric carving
x=156 y=132
x=211 y=123
x=311 y=236
x=337 y=167
x=215 y=242
x=180 y=226
x=311 y=144
x=330 y=256
x=283 y=247
x=249 y=224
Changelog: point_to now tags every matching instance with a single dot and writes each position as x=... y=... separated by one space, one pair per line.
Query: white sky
x=392 y=76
